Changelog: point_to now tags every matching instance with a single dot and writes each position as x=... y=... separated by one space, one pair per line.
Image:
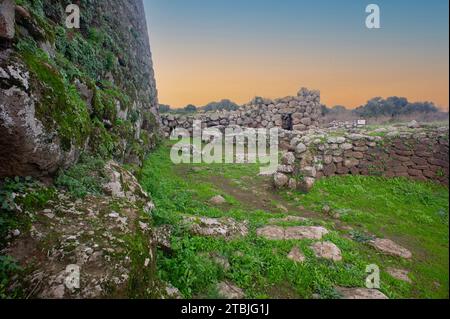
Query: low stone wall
x=420 y=154
x=299 y=113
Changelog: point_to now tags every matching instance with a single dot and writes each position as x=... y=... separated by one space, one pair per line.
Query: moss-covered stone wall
x=68 y=91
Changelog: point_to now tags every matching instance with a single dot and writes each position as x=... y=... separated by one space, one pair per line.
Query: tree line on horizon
x=376 y=107
x=393 y=106
x=222 y=105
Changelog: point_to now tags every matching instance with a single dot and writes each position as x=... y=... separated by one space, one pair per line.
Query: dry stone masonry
x=409 y=150
x=402 y=151
x=298 y=113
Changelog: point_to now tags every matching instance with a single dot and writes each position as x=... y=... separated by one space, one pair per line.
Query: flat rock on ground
x=229 y=291
x=296 y=232
x=360 y=293
x=217 y=200
x=389 y=247
x=216 y=227
x=400 y=274
x=327 y=250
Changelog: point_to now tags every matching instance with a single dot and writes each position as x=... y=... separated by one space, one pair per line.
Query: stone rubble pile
x=417 y=153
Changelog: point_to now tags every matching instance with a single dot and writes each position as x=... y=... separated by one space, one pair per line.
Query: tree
x=219 y=106
x=393 y=106
x=190 y=108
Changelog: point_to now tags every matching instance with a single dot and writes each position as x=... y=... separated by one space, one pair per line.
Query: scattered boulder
x=216 y=227
x=389 y=247
x=360 y=293
x=229 y=291
x=305 y=232
x=271 y=232
x=295 y=232
x=327 y=250
x=218 y=200
x=296 y=255
x=400 y=274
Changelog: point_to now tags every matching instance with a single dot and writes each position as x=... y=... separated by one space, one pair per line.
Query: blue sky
x=206 y=50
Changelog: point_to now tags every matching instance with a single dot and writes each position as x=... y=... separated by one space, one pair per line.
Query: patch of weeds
x=361 y=237
x=10 y=188
x=9 y=270
x=37 y=199
x=188 y=270
x=17 y=196
x=84 y=178
x=327 y=293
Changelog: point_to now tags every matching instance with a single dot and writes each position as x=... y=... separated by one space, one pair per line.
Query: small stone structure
x=298 y=113
x=417 y=153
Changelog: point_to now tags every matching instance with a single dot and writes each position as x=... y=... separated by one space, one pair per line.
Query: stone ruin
x=292 y=113
x=312 y=152
x=402 y=151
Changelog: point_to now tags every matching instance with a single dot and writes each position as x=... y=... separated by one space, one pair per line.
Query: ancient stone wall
x=419 y=154
x=298 y=113
x=68 y=91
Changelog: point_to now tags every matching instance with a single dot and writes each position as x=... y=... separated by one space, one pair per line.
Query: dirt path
x=254 y=193
x=257 y=193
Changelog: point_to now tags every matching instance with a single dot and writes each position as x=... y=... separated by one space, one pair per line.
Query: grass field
x=413 y=214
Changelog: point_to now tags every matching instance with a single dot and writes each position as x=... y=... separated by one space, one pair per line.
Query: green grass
x=413 y=213
x=403 y=209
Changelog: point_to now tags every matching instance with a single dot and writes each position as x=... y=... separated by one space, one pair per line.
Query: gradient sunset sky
x=207 y=50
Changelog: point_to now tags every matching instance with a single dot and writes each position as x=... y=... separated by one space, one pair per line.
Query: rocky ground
x=105 y=237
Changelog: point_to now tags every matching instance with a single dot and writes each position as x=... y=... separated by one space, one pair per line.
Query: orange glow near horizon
x=205 y=80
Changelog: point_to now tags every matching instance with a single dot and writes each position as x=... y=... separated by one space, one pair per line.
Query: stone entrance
x=287 y=122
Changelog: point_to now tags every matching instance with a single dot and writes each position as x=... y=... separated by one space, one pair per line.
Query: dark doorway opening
x=287 y=122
